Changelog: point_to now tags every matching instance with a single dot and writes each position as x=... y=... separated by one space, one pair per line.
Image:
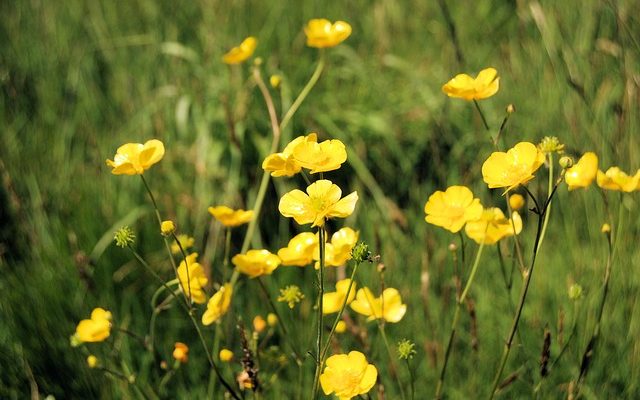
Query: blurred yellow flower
x=493 y=226
x=332 y=301
x=240 y=53
x=615 y=179
x=92 y=361
x=96 y=329
x=181 y=352
x=300 y=250
x=388 y=306
x=291 y=295
x=348 y=375
x=226 y=355
x=218 y=305
x=320 y=157
x=256 y=262
x=192 y=279
x=135 y=158
x=167 y=227
x=513 y=168
x=230 y=217
x=321 y=33
x=516 y=201
x=272 y=319
x=186 y=242
x=582 y=173
x=452 y=208
x=462 y=86
x=284 y=164
x=321 y=202
x=259 y=324
x=341 y=327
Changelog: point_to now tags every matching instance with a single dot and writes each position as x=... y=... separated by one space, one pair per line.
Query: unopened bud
x=259 y=324
x=511 y=109
x=167 y=227
x=453 y=247
x=566 y=162
x=575 y=291
x=257 y=61
x=272 y=319
x=275 y=81
x=606 y=228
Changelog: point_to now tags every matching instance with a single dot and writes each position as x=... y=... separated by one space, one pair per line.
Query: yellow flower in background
x=284 y=164
x=256 y=263
x=388 y=306
x=348 y=375
x=167 y=227
x=225 y=355
x=452 y=208
x=230 y=217
x=516 y=201
x=321 y=33
x=135 y=158
x=616 y=179
x=583 y=172
x=332 y=301
x=192 y=279
x=186 y=242
x=242 y=52
x=259 y=324
x=341 y=327
x=218 y=305
x=272 y=319
x=513 y=168
x=92 y=361
x=338 y=251
x=462 y=86
x=493 y=226
x=321 y=202
x=181 y=352
x=300 y=250
x=320 y=157
x=96 y=329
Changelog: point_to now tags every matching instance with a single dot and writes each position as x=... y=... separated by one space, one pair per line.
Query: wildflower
x=225 y=355
x=167 y=228
x=320 y=157
x=181 y=352
x=513 y=168
x=300 y=250
x=275 y=81
x=185 y=241
x=516 y=201
x=615 y=179
x=493 y=226
x=341 y=327
x=135 y=158
x=348 y=375
x=242 y=52
x=565 y=162
x=551 y=144
x=92 y=361
x=322 y=201
x=259 y=324
x=192 y=279
x=575 y=291
x=321 y=33
x=332 y=302
x=462 y=86
x=582 y=173
x=96 y=329
x=338 y=251
x=291 y=295
x=452 y=208
x=388 y=306
x=284 y=164
x=218 y=305
x=229 y=217
x=124 y=237
x=272 y=319
x=256 y=262
x=406 y=349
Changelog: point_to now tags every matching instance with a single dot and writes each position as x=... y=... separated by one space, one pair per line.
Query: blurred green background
x=79 y=78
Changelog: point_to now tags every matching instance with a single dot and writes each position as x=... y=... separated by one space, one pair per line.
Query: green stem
x=548 y=210
x=411 y=379
x=320 y=276
x=392 y=363
x=484 y=120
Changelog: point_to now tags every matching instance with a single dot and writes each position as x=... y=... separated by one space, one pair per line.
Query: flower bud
x=272 y=319
x=226 y=355
x=606 y=228
x=453 y=247
x=92 y=361
x=511 y=109
x=257 y=61
x=575 y=291
x=167 y=227
x=275 y=81
x=516 y=201
x=566 y=162
x=361 y=253
x=181 y=352
x=259 y=324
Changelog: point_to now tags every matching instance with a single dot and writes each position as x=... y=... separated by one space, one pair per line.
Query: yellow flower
x=291 y=295
x=452 y=208
x=516 y=201
x=96 y=329
x=332 y=301
x=181 y=352
x=229 y=217
x=240 y=53
x=259 y=324
x=135 y=158
x=322 y=201
x=218 y=305
x=493 y=226
x=167 y=227
x=388 y=306
x=338 y=251
x=583 y=172
x=272 y=319
x=320 y=157
x=192 y=279
x=300 y=250
x=513 y=168
x=462 y=86
x=348 y=375
x=256 y=263
x=226 y=355
x=341 y=327
x=284 y=164
x=615 y=179
x=92 y=361
x=186 y=242
x=322 y=33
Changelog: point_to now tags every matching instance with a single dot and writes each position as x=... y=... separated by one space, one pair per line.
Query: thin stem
x=461 y=236
x=305 y=91
x=411 y=379
x=392 y=364
x=132 y=334
x=500 y=130
x=320 y=275
x=484 y=120
x=548 y=210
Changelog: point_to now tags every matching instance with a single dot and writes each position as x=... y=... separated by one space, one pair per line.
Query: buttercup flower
x=96 y=329
x=135 y=158
x=388 y=306
x=452 y=208
x=322 y=201
x=348 y=375
x=583 y=172
x=322 y=33
x=332 y=301
x=256 y=262
x=291 y=295
x=229 y=217
x=226 y=355
x=181 y=352
x=218 y=305
x=493 y=226
x=193 y=282
x=186 y=242
x=616 y=179
x=462 y=86
x=259 y=324
x=516 y=201
x=284 y=164
x=242 y=52
x=338 y=251
x=167 y=227
x=300 y=250
x=513 y=168
x=320 y=157
x=92 y=361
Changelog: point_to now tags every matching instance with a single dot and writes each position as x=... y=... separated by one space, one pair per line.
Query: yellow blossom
x=218 y=305
x=300 y=250
x=225 y=355
x=92 y=361
x=275 y=81
x=338 y=251
x=192 y=279
x=452 y=208
x=582 y=173
x=284 y=164
x=256 y=262
x=493 y=226
x=96 y=329
x=242 y=52
x=321 y=202
x=616 y=179
x=341 y=327
x=272 y=319
x=321 y=33
x=135 y=158
x=186 y=242
x=388 y=306
x=462 y=86
x=320 y=157
x=291 y=295
x=259 y=324
x=332 y=301
x=348 y=375
x=167 y=227
x=513 y=168
x=230 y=217
x=516 y=201
x=606 y=228
x=181 y=352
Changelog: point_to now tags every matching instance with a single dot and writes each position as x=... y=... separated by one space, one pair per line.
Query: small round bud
x=181 y=352
x=606 y=228
x=575 y=291
x=453 y=247
x=259 y=324
x=381 y=268
x=341 y=327
x=225 y=355
x=163 y=365
x=406 y=349
x=360 y=252
x=132 y=379
x=272 y=319
x=566 y=162
x=516 y=201
x=275 y=81
x=167 y=227
x=511 y=109
x=257 y=61
x=92 y=361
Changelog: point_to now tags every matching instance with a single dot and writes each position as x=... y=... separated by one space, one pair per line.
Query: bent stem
x=305 y=91
x=484 y=120
x=320 y=275
x=392 y=364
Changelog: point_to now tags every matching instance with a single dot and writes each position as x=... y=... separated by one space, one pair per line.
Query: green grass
x=80 y=78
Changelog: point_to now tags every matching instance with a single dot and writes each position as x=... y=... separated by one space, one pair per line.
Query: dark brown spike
x=546 y=353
